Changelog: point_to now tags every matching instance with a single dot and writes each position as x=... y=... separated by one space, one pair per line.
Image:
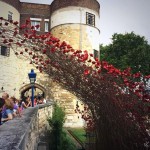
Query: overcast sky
x=120 y=16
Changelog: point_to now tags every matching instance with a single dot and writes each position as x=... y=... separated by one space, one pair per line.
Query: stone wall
x=71 y=34
x=14 y=74
x=68 y=101
x=24 y=133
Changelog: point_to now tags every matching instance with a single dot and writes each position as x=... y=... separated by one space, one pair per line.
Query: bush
x=59 y=139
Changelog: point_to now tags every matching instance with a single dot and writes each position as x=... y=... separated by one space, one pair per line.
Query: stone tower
x=77 y=23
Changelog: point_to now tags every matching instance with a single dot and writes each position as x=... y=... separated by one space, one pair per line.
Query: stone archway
x=27 y=87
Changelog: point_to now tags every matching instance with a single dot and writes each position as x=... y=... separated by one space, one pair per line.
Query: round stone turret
x=77 y=23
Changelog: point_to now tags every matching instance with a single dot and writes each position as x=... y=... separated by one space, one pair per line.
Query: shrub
x=59 y=139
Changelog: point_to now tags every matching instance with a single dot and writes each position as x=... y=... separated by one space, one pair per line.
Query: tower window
x=34 y=23
x=10 y=15
x=90 y=19
x=95 y=53
x=46 y=26
x=4 y=51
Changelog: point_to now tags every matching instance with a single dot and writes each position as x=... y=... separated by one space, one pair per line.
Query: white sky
x=120 y=16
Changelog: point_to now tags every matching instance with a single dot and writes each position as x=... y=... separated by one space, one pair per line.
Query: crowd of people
x=11 y=107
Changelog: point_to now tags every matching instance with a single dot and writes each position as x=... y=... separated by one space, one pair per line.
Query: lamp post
x=32 y=77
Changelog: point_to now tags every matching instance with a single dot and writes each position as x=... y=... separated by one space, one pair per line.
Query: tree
x=56 y=123
x=128 y=50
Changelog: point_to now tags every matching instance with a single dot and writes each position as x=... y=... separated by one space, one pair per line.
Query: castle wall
x=68 y=101
x=5 y=8
x=14 y=74
x=71 y=34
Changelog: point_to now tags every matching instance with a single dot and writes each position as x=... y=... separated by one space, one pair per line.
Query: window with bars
x=4 y=51
x=90 y=19
x=10 y=15
x=34 y=23
x=46 y=26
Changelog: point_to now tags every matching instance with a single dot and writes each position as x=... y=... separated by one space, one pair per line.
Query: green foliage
x=66 y=142
x=59 y=139
x=58 y=118
x=128 y=50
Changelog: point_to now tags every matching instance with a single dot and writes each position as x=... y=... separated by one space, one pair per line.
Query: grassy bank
x=79 y=133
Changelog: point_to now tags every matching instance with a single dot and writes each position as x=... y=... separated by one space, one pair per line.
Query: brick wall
x=29 y=10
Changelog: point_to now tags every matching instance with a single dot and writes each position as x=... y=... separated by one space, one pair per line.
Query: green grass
x=79 y=133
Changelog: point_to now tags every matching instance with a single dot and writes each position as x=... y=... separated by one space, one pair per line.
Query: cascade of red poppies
x=99 y=85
